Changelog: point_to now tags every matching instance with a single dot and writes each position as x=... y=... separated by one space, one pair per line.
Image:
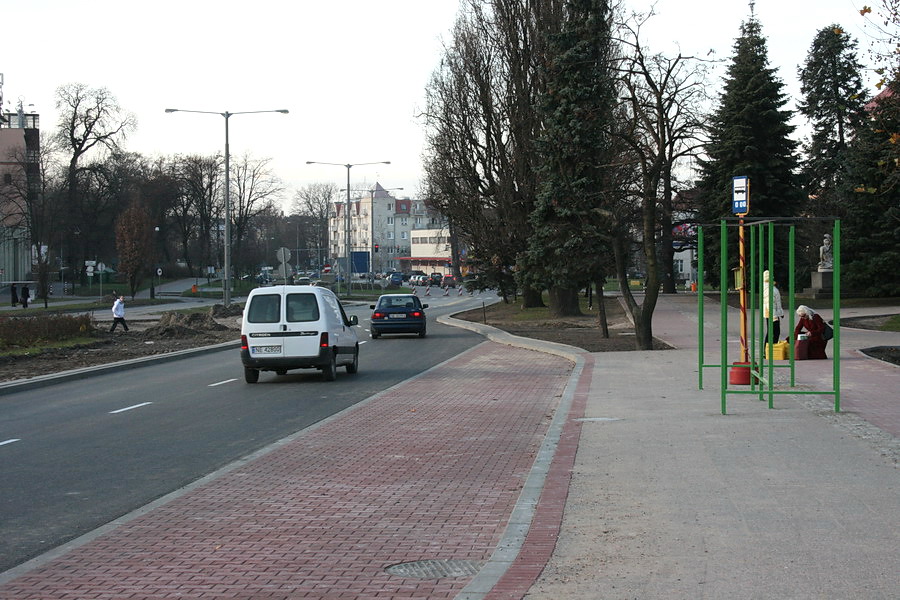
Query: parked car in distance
x=395 y=278
x=448 y=281
x=398 y=313
x=437 y=278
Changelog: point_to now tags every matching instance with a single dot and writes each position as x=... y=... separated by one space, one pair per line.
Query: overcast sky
x=351 y=72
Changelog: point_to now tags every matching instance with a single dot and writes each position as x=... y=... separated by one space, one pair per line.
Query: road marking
x=221 y=382
x=121 y=410
x=12 y=441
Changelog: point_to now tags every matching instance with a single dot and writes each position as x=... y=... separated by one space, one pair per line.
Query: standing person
x=118 y=311
x=772 y=308
x=812 y=323
x=25 y=295
x=15 y=296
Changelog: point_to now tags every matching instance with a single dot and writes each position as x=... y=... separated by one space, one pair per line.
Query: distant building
x=19 y=184
x=381 y=230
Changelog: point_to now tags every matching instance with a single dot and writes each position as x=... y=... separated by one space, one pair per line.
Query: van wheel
x=354 y=366
x=281 y=371
x=329 y=371
x=251 y=375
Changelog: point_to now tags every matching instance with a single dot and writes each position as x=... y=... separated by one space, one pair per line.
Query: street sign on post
x=740 y=195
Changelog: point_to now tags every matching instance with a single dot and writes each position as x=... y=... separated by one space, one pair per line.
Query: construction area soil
x=581 y=331
x=175 y=331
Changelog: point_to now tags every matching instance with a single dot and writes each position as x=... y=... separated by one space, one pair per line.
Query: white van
x=297 y=327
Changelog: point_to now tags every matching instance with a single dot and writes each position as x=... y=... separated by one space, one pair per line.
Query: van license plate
x=397 y=315
x=266 y=349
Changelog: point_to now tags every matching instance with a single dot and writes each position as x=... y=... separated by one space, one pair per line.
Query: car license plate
x=397 y=315
x=266 y=349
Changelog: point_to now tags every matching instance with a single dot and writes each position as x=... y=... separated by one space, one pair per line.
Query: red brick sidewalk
x=430 y=470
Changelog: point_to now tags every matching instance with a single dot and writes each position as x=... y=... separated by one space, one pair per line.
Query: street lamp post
x=348 y=166
x=226 y=283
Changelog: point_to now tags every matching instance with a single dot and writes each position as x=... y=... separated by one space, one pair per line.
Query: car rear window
x=399 y=302
x=302 y=307
x=264 y=308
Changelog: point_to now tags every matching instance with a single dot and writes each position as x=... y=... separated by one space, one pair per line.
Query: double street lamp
x=348 y=166
x=226 y=284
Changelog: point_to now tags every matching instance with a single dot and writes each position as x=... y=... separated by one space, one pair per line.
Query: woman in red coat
x=812 y=323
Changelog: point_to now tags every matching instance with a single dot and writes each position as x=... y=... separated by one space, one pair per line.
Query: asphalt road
x=77 y=455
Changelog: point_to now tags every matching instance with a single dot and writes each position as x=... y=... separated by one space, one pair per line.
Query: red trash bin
x=801 y=349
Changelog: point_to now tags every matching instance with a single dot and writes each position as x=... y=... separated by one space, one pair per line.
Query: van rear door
x=302 y=325
x=265 y=334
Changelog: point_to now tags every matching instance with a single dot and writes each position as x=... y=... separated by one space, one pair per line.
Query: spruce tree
x=871 y=192
x=563 y=251
x=749 y=135
x=833 y=101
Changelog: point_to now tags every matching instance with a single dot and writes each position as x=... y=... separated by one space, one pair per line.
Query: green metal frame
x=762 y=252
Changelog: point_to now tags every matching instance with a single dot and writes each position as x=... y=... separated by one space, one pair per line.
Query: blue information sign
x=740 y=198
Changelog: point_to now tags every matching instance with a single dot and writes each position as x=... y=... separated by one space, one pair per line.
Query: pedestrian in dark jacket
x=815 y=326
x=25 y=295
x=15 y=296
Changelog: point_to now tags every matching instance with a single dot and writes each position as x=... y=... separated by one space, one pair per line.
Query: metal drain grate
x=436 y=569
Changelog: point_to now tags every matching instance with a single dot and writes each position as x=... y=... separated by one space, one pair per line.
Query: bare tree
x=134 y=243
x=663 y=97
x=90 y=119
x=482 y=123
x=255 y=190
x=313 y=202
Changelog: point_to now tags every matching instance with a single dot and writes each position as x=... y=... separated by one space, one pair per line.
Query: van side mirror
x=354 y=320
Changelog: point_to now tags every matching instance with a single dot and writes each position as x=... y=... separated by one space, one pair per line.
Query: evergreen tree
x=749 y=135
x=869 y=233
x=577 y=107
x=833 y=101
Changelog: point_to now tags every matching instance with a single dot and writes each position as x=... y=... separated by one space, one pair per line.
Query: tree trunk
x=532 y=298
x=564 y=302
x=601 y=311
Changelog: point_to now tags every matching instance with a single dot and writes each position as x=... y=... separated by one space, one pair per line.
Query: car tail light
x=416 y=313
x=323 y=340
x=379 y=315
x=244 y=344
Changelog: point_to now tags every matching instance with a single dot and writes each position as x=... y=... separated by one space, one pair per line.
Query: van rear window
x=265 y=308
x=302 y=307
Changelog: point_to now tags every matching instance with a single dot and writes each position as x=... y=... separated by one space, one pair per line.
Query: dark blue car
x=395 y=279
x=398 y=313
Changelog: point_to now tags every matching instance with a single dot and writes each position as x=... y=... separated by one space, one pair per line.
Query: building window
x=404 y=221
x=390 y=206
x=390 y=220
x=403 y=235
x=390 y=235
x=7 y=178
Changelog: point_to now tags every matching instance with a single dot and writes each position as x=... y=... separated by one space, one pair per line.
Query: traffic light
x=376 y=247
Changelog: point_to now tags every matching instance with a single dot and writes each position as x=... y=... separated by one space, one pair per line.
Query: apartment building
x=381 y=228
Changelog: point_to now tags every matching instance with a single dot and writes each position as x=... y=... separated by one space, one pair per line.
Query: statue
x=826 y=259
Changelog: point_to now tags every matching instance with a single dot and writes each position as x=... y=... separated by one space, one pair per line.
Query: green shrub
x=29 y=331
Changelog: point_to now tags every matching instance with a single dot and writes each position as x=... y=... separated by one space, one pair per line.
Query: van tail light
x=244 y=345
x=323 y=340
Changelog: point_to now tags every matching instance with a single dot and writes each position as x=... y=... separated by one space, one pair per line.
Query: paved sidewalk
x=509 y=473
x=671 y=499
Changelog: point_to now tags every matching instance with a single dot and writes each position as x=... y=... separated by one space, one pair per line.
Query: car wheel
x=329 y=371
x=422 y=333
x=354 y=366
x=281 y=371
x=251 y=375
x=374 y=334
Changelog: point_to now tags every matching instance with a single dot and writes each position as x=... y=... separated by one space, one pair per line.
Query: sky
x=352 y=73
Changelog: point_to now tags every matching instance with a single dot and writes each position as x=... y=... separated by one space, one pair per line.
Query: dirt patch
x=582 y=332
x=172 y=332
